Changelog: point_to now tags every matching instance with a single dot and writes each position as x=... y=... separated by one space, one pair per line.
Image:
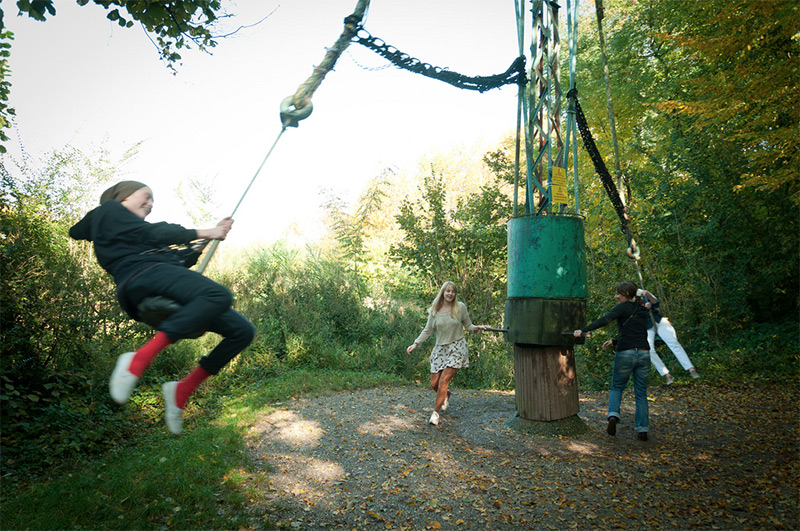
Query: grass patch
x=200 y=480
x=177 y=482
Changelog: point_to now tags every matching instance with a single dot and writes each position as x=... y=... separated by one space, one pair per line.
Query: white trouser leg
x=667 y=333
x=654 y=359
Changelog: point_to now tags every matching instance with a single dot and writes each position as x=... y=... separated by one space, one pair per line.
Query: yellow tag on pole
x=558 y=190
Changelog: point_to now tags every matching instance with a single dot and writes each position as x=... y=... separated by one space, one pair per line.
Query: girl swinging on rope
x=141 y=258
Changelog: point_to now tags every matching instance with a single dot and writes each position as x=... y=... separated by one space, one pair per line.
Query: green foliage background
x=707 y=116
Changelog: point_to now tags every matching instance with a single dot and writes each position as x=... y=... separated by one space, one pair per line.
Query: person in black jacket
x=632 y=357
x=149 y=260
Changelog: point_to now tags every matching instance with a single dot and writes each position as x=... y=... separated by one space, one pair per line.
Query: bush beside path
x=717 y=458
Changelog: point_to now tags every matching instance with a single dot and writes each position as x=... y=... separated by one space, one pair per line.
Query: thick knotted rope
x=299 y=106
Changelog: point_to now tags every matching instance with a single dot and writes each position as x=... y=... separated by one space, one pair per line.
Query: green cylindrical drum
x=546 y=279
x=546 y=257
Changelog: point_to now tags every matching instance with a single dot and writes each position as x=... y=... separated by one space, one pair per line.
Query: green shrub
x=50 y=418
x=765 y=351
x=58 y=318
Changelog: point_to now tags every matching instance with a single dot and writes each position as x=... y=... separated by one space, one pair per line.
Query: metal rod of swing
x=214 y=244
x=298 y=106
x=520 y=12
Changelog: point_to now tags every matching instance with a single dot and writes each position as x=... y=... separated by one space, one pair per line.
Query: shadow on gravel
x=717 y=458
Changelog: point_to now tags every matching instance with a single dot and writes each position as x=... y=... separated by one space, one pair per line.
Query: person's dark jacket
x=125 y=243
x=632 y=323
x=655 y=309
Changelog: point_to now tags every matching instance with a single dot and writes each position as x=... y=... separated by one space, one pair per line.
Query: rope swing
x=298 y=106
x=633 y=252
x=152 y=310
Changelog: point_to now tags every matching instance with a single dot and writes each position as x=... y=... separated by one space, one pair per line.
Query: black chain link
x=599 y=165
x=515 y=73
x=365 y=67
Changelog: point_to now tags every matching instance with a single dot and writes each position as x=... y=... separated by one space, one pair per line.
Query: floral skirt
x=453 y=355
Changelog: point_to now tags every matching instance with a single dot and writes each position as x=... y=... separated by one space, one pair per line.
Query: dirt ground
x=717 y=458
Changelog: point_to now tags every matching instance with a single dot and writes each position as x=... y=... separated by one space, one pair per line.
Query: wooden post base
x=546 y=382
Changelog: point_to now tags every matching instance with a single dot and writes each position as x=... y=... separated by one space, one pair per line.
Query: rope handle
x=586 y=334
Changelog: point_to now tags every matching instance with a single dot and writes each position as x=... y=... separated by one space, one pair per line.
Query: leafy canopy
x=6 y=112
x=176 y=24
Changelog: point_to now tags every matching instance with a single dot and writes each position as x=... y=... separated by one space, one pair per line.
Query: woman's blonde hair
x=438 y=301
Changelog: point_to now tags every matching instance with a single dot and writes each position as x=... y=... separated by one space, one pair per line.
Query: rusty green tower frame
x=547 y=287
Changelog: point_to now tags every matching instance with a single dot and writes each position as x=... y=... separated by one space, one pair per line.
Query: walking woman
x=632 y=357
x=447 y=318
x=144 y=262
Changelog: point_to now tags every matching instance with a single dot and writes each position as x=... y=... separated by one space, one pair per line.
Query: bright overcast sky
x=78 y=79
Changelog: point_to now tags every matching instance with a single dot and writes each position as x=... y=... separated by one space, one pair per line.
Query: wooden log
x=546 y=382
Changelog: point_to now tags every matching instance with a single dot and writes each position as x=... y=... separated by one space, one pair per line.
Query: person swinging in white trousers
x=664 y=329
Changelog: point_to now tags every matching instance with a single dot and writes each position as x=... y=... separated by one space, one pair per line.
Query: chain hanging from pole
x=605 y=177
x=515 y=74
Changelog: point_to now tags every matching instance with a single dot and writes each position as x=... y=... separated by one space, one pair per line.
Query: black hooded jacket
x=124 y=242
x=632 y=323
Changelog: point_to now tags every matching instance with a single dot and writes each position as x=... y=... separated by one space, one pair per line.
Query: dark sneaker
x=612 y=425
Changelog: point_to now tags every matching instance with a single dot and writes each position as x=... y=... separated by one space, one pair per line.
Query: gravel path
x=716 y=459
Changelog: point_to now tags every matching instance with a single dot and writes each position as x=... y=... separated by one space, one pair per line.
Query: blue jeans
x=627 y=362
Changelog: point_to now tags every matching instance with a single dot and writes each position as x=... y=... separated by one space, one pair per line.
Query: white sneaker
x=173 y=415
x=122 y=380
x=670 y=379
x=434 y=419
x=694 y=374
